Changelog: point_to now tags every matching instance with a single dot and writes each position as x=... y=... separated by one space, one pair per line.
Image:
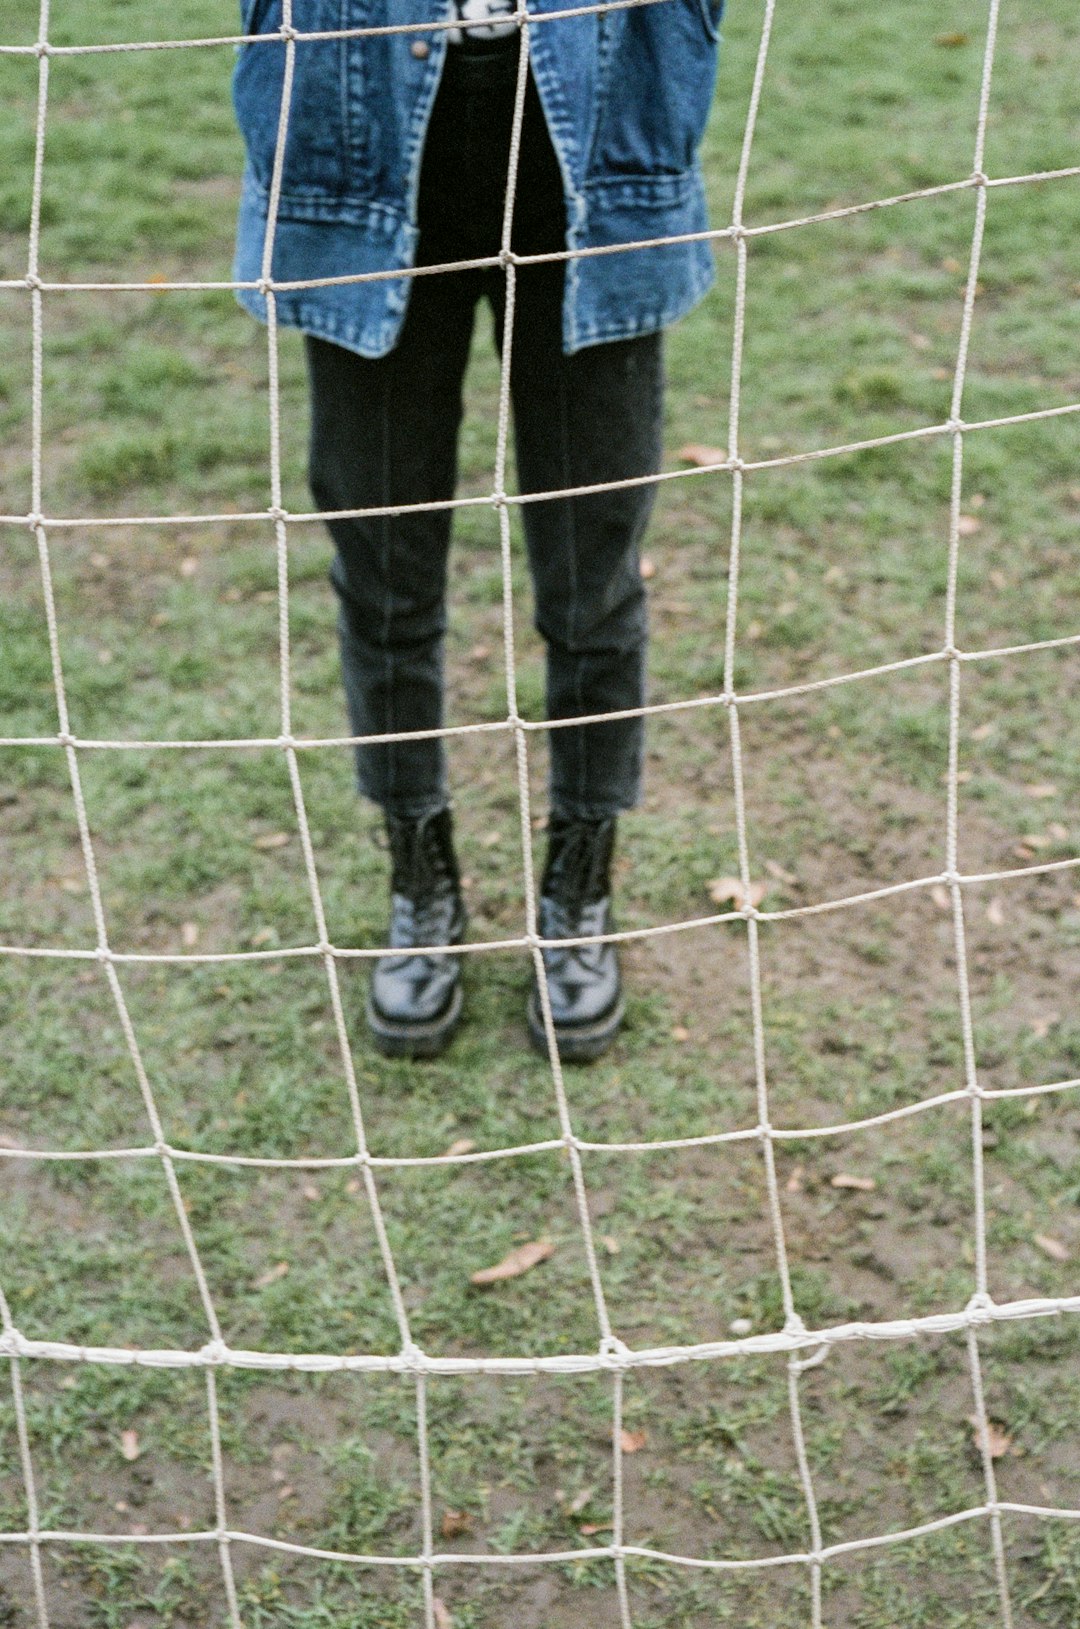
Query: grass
x=156 y=403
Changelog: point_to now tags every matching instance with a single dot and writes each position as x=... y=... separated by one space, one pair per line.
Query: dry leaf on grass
x=968 y=525
x=310 y=1191
x=862 y=1184
x=610 y=1244
x=189 y=935
x=129 y=1444
x=729 y=890
x=787 y=877
x=441 y=1611
x=794 y=1181
x=951 y=39
x=11 y=1142
x=941 y=896
x=272 y=839
x=587 y=1529
x=680 y=1033
x=1041 y=789
x=995 y=913
x=1051 y=1247
x=454 y=1523
x=517 y=1262
x=577 y=1504
x=631 y=1442
x=998 y=1441
x=271 y=1275
x=463 y=1145
x=696 y=452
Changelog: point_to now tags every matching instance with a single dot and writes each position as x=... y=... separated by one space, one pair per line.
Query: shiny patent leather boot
x=414 y=1001
x=583 y=981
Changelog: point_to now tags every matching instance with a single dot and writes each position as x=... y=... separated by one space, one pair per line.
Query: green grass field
x=156 y=403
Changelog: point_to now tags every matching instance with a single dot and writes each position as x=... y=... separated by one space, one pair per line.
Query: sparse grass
x=156 y=403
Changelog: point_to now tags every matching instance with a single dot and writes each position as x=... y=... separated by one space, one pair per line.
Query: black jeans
x=386 y=432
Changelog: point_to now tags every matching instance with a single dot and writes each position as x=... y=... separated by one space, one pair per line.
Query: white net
x=803 y=1346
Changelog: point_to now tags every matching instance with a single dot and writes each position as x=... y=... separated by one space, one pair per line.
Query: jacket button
x=420 y=49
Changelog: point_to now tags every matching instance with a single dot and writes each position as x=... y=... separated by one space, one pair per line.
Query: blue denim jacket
x=626 y=94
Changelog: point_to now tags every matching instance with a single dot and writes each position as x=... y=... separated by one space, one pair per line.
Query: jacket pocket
x=317 y=144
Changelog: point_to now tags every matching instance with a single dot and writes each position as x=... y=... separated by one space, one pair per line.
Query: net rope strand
x=802 y=1348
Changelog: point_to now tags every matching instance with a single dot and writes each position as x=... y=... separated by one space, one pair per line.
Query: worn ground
x=157 y=404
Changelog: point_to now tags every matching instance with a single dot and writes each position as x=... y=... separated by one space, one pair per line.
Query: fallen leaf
x=271 y=1275
x=129 y=1444
x=1041 y=789
x=285 y=1491
x=517 y=1262
x=577 y=1504
x=262 y=936
x=188 y=566
x=157 y=277
x=272 y=839
x=189 y=935
x=951 y=40
x=863 y=1184
x=11 y=1142
x=73 y=885
x=794 y=1181
x=611 y=1245
x=647 y=568
x=353 y=1185
x=680 y=1033
x=441 y=1612
x=1041 y=1027
x=729 y=890
x=1058 y=832
x=631 y=1442
x=589 y=1528
x=491 y=838
x=998 y=1441
x=777 y=871
x=998 y=580
x=754 y=630
x=950 y=264
x=740 y=1326
x=310 y=1191
x=995 y=913
x=696 y=452
x=463 y=1145
x=1051 y=1247
x=454 y=1523
x=941 y=896
x=479 y=653
x=968 y=525
x=982 y=732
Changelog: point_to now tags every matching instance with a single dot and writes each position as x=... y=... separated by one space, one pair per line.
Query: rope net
x=803 y=1347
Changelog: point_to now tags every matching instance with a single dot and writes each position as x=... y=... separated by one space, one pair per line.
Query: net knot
x=288 y=32
x=980 y=1309
x=32 y=280
x=734 y=463
x=275 y=512
x=215 y=1351
x=951 y=653
x=507 y=257
x=65 y=738
x=979 y=178
x=11 y=1342
x=794 y=1327
x=35 y=520
x=263 y=286
x=954 y=426
x=412 y=1358
x=614 y=1353
x=42 y=49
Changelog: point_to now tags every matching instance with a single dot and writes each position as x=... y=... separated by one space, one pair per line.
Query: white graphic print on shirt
x=483 y=20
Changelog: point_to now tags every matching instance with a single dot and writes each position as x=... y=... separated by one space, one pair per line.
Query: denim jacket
x=626 y=94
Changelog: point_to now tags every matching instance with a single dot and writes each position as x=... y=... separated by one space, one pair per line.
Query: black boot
x=583 y=981
x=414 y=1001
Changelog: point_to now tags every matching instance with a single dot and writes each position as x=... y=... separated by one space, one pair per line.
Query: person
x=397 y=156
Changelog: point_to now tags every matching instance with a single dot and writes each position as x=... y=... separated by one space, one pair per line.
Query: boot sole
x=584 y=1042
x=427 y=1040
